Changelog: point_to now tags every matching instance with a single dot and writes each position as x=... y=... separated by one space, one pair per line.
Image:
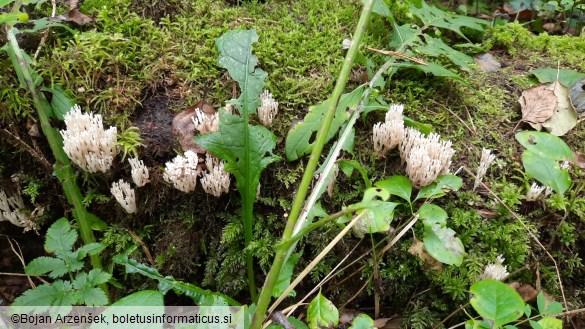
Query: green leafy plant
x=82 y=288
x=128 y=141
x=542 y=156
x=501 y=306
x=29 y=79
x=247 y=149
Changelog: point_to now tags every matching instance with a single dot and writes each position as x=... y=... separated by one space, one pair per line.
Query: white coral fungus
x=139 y=172
x=535 y=192
x=215 y=180
x=496 y=271
x=182 y=172
x=390 y=133
x=268 y=108
x=12 y=210
x=205 y=123
x=426 y=157
x=86 y=142
x=486 y=160
x=124 y=194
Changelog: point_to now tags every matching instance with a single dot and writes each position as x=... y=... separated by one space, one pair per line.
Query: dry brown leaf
x=538 y=104
x=488 y=214
x=526 y=291
x=78 y=17
x=418 y=249
x=580 y=159
x=184 y=127
x=487 y=62
x=388 y=323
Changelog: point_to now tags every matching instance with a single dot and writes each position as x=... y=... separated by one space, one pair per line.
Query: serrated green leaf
x=42 y=265
x=300 y=138
x=442 y=244
x=550 y=323
x=433 y=16
x=496 y=301
x=285 y=276
x=397 y=185
x=142 y=298
x=434 y=69
x=201 y=297
x=72 y=261
x=58 y=293
x=60 y=238
x=90 y=249
x=547 y=172
x=404 y=35
x=435 y=47
x=322 y=313
x=431 y=214
x=92 y=296
x=566 y=77
x=545 y=145
x=362 y=321
x=97 y=277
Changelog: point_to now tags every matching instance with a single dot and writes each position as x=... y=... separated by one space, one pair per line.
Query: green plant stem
x=313 y=226
x=281 y=251
x=62 y=165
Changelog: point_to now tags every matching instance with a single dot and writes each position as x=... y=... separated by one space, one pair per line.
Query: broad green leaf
x=535 y=325
x=444 y=184
x=322 y=313
x=362 y=321
x=374 y=193
x=545 y=145
x=60 y=103
x=546 y=171
x=397 y=185
x=347 y=167
x=58 y=293
x=545 y=307
x=142 y=298
x=285 y=275
x=300 y=138
x=13 y=18
x=5 y=2
x=550 y=323
x=431 y=213
x=442 y=244
x=496 y=301
x=297 y=324
x=566 y=77
x=201 y=297
x=60 y=238
x=527 y=310
x=42 y=265
x=379 y=215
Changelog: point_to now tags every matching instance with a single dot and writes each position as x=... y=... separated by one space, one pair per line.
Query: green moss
x=514 y=36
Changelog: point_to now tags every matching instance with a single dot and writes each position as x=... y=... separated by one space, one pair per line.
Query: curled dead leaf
x=184 y=127
x=564 y=117
x=78 y=17
x=577 y=97
x=538 y=105
x=418 y=249
x=526 y=291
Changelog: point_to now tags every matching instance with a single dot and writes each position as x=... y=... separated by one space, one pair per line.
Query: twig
x=35 y=153
x=394 y=53
x=530 y=234
x=21 y=258
x=453 y=113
